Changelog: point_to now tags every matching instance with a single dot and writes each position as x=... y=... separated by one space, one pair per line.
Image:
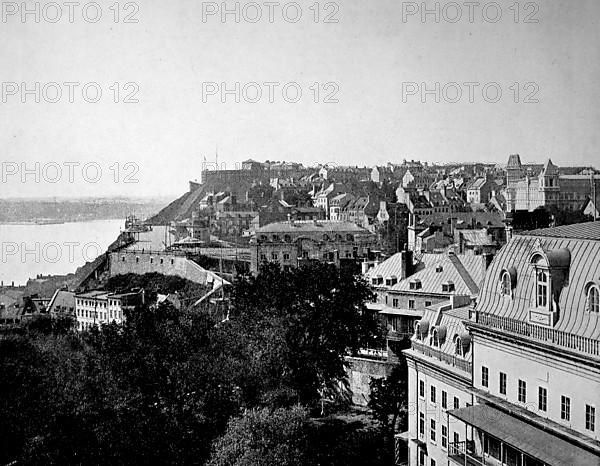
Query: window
x=152 y=260
x=502 y=387
x=565 y=408
x=432 y=430
x=395 y=302
x=505 y=285
x=522 y=391
x=172 y=261
x=542 y=288
x=427 y=303
x=444 y=399
x=433 y=394
x=421 y=389
x=422 y=457
x=411 y=303
x=421 y=424
x=162 y=261
x=542 y=399
x=123 y=259
x=433 y=463
x=274 y=256
x=456 y=437
x=286 y=256
x=458 y=349
x=444 y=436
x=590 y=418
x=593 y=299
x=456 y=403
x=263 y=257
x=485 y=376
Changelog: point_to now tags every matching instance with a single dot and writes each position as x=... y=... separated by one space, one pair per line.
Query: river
x=27 y=250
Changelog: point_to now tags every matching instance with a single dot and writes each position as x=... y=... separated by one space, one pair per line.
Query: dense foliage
x=161 y=388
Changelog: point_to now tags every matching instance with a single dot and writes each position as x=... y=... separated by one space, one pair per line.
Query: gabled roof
x=465 y=271
x=62 y=301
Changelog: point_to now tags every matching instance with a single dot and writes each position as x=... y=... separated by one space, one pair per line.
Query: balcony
x=450 y=359
x=545 y=335
x=462 y=453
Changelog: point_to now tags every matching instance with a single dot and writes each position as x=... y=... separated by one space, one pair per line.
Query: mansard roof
x=580 y=268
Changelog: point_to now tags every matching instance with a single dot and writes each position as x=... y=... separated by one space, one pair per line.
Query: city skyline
x=369 y=61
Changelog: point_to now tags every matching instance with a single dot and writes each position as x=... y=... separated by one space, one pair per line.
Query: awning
x=529 y=439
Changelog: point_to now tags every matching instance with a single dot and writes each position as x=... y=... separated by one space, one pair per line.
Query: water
x=27 y=250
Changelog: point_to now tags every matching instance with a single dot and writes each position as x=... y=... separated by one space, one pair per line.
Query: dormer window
x=439 y=269
x=542 y=288
x=448 y=287
x=592 y=301
x=391 y=281
x=505 y=284
x=415 y=284
x=462 y=343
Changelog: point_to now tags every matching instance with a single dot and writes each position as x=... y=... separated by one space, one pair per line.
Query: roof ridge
x=464 y=274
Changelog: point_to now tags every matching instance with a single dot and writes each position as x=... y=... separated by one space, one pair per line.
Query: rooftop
x=311 y=226
x=582 y=241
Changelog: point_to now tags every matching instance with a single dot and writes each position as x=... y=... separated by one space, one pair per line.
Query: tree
x=297 y=327
x=389 y=398
x=261 y=437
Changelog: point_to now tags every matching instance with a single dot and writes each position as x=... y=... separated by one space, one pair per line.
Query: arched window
x=505 y=283
x=458 y=346
x=592 y=303
x=542 y=288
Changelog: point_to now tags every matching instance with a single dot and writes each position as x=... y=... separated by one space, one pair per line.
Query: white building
x=98 y=307
x=529 y=385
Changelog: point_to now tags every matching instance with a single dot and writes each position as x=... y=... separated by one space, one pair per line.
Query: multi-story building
x=439 y=380
x=289 y=243
x=101 y=307
x=406 y=289
x=528 y=190
x=531 y=390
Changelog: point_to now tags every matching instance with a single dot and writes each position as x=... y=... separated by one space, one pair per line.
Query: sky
x=173 y=73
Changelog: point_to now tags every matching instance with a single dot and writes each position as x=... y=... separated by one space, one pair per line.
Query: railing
x=455 y=361
x=462 y=453
x=538 y=333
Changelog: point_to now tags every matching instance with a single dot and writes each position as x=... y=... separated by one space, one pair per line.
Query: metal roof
x=588 y=230
x=310 y=226
x=583 y=243
x=525 y=437
x=465 y=271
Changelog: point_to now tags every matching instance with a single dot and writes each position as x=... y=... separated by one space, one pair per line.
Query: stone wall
x=139 y=262
x=360 y=371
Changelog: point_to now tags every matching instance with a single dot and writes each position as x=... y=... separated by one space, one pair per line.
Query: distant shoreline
x=47 y=222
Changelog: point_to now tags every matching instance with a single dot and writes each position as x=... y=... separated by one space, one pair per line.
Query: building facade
x=533 y=386
x=290 y=243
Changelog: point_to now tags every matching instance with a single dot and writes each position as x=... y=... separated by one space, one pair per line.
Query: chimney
x=509 y=232
x=406 y=264
x=487 y=259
